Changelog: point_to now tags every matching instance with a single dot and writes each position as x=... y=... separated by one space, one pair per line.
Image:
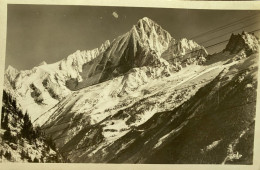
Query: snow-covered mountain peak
x=251 y=40
x=145 y=19
x=72 y=65
x=151 y=35
x=189 y=44
x=88 y=54
x=145 y=22
x=104 y=46
x=11 y=69
x=42 y=63
x=46 y=84
x=149 y=26
x=185 y=52
x=11 y=72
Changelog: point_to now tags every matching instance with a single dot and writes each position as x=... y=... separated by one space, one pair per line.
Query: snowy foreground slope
x=147 y=98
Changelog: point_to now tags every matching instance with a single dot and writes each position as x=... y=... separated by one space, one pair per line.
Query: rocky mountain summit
x=246 y=42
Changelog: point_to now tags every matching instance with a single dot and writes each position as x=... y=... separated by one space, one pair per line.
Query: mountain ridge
x=142 y=46
x=145 y=91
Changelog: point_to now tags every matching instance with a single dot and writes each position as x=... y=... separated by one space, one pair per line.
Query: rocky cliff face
x=245 y=42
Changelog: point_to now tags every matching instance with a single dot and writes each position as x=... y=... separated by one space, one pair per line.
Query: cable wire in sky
x=225 y=26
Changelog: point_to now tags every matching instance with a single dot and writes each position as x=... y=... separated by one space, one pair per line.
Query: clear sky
x=37 y=33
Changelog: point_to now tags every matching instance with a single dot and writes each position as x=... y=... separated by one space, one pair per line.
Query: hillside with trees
x=20 y=140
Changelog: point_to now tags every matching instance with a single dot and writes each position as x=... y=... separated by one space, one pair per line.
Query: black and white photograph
x=129 y=85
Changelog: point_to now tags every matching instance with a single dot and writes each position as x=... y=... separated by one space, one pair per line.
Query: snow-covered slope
x=185 y=52
x=214 y=126
x=42 y=87
x=90 y=123
x=11 y=73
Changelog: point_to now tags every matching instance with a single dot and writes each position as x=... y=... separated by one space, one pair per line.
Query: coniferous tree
x=3 y=109
x=14 y=104
x=9 y=99
x=42 y=159
x=5 y=122
x=9 y=137
x=50 y=143
x=29 y=159
x=27 y=156
x=23 y=155
x=27 y=128
x=1 y=153
x=3 y=125
x=2 y=114
x=20 y=114
x=37 y=132
x=36 y=160
x=8 y=155
x=5 y=96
